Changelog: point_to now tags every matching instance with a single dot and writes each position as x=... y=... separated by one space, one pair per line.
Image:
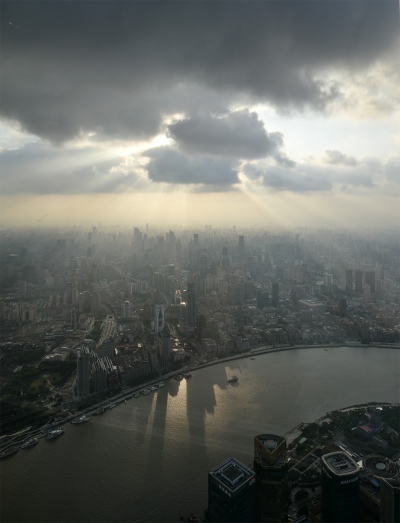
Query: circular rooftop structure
x=271 y=443
x=381 y=467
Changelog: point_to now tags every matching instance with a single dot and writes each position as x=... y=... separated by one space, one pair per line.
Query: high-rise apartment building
x=340 y=489
x=231 y=493
x=271 y=470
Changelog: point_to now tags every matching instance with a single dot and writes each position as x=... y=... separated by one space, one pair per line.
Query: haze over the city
x=280 y=113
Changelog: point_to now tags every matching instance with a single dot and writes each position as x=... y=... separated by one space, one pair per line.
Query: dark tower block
x=270 y=466
x=340 y=489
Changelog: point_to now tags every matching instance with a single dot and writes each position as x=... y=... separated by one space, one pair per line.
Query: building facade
x=340 y=489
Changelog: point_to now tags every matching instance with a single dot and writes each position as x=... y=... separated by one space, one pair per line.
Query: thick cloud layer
x=239 y=134
x=115 y=68
x=171 y=166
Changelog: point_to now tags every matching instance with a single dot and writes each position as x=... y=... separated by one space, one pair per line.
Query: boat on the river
x=81 y=419
x=54 y=433
x=9 y=452
x=29 y=443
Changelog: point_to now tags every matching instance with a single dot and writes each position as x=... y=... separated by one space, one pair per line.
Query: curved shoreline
x=127 y=392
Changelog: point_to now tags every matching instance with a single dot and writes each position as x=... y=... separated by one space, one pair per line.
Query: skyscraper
x=389 y=500
x=191 y=304
x=271 y=471
x=340 y=489
x=158 y=318
x=231 y=492
x=275 y=294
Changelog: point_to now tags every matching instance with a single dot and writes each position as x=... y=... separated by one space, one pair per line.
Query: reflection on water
x=147 y=460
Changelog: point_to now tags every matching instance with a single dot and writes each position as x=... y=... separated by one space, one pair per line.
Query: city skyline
x=285 y=113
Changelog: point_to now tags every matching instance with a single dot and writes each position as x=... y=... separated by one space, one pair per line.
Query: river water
x=147 y=460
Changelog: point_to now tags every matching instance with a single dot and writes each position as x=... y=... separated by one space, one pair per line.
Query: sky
x=226 y=112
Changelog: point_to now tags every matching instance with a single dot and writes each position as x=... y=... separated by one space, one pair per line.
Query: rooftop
x=232 y=474
x=340 y=463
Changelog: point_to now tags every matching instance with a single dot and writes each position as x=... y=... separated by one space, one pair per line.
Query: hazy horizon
x=281 y=114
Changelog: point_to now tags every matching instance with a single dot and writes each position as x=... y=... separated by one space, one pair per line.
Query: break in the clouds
x=38 y=168
x=115 y=68
x=239 y=134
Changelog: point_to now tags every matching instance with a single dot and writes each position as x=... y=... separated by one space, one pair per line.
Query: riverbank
x=127 y=392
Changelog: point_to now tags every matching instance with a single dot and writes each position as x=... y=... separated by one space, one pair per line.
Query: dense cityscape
x=199 y=261
x=92 y=318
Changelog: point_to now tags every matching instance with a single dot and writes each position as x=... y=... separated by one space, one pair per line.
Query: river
x=147 y=460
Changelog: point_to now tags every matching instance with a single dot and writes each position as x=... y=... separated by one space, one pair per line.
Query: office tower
x=389 y=500
x=328 y=279
x=126 y=310
x=241 y=246
x=340 y=489
x=195 y=240
x=231 y=492
x=158 y=318
x=137 y=238
x=349 y=280
x=275 y=294
x=191 y=304
x=73 y=317
x=271 y=470
x=358 y=280
x=370 y=280
x=83 y=373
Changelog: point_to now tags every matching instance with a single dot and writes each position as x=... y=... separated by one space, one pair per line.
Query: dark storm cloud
x=41 y=169
x=116 y=68
x=170 y=166
x=338 y=158
x=239 y=134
